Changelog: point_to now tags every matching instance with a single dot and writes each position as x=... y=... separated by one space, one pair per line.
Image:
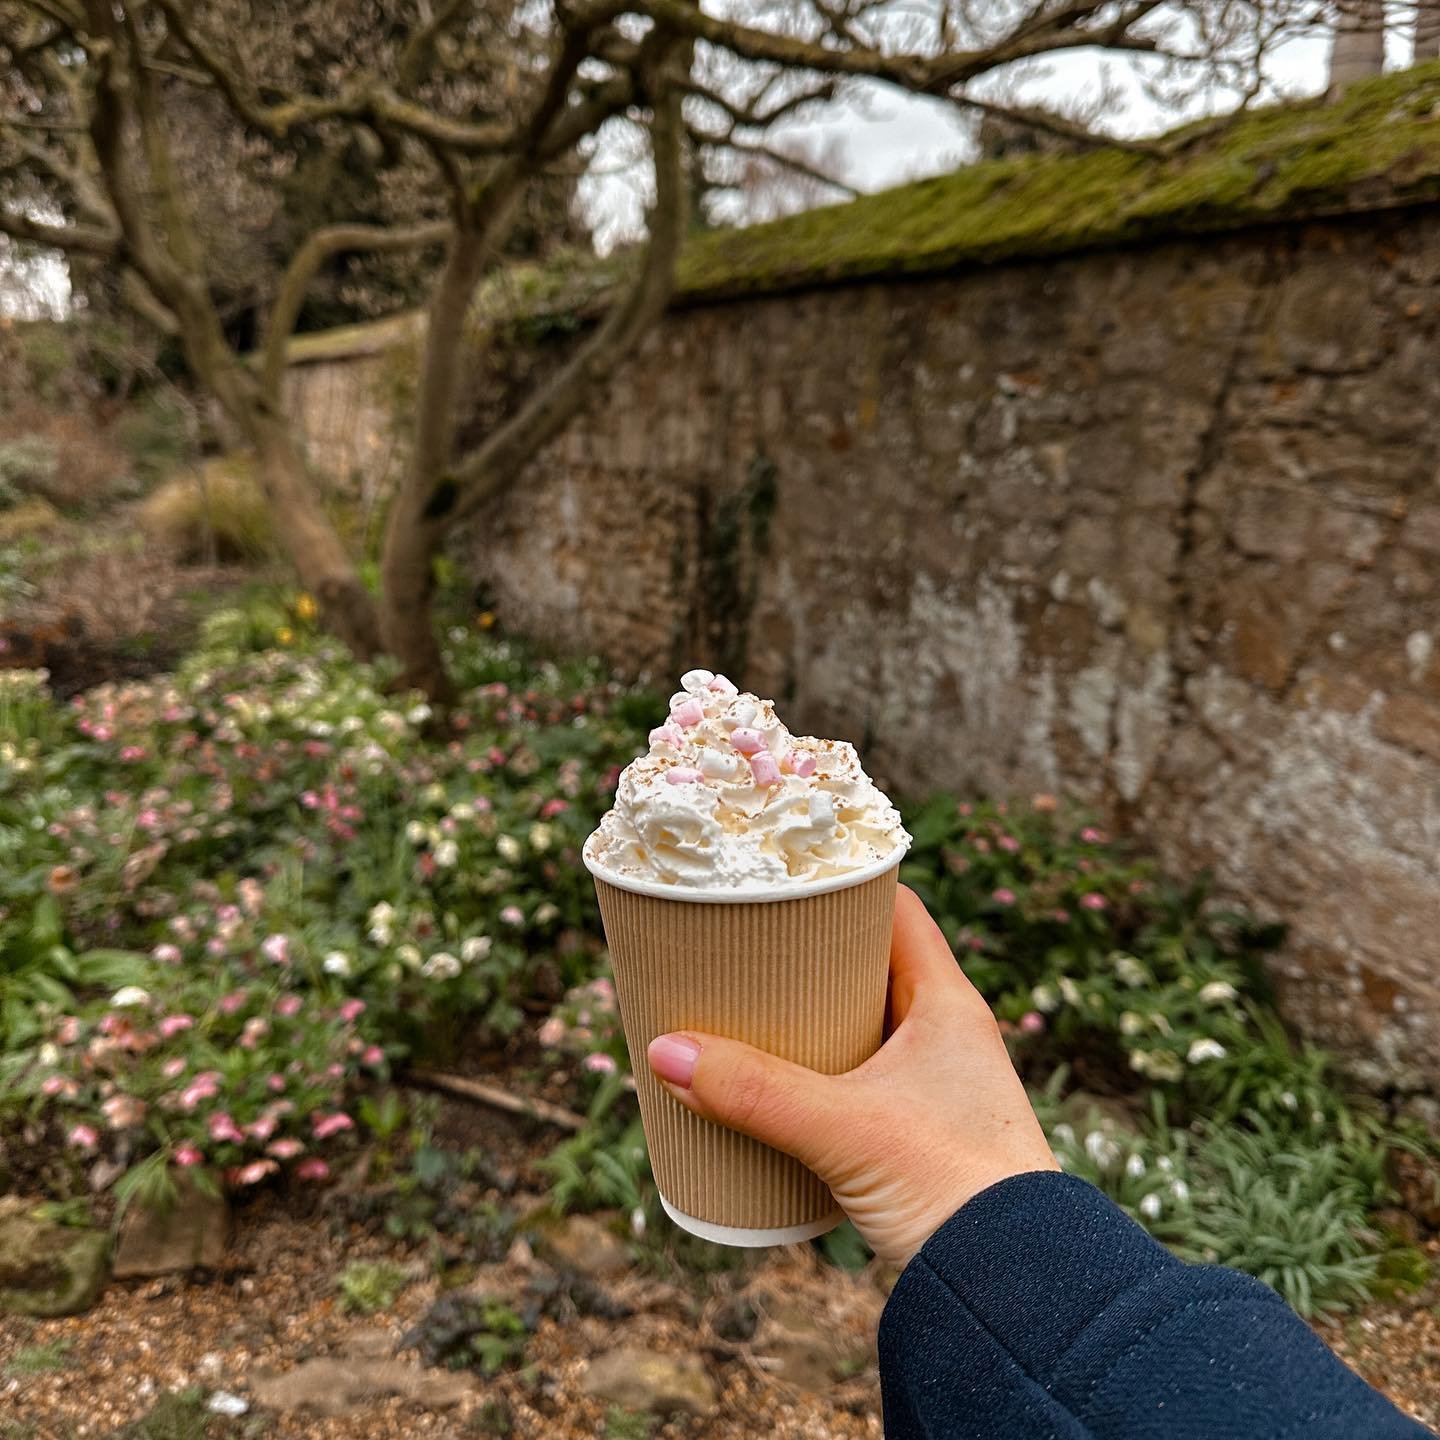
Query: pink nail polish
x=673 y=1057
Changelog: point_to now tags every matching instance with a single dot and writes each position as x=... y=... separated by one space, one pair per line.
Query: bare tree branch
x=498 y=459
x=796 y=164
x=371 y=102
x=1048 y=31
x=748 y=117
x=1037 y=117
x=72 y=239
x=324 y=245
x=419 y=46
x=90 y=203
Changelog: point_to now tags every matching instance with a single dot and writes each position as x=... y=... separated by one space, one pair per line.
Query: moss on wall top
x=1376 y=148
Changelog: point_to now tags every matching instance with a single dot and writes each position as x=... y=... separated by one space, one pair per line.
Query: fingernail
x=673 y=1057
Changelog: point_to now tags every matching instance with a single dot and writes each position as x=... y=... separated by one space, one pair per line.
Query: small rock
x=210 y=1365
x=637 y=1379
x=222 y=1402
x=520 y=1254
x=336 y=1386
x=584 y=1246
x=194 y=1233
x=806 y=1353
x=368 y=1344
x=48 y=1269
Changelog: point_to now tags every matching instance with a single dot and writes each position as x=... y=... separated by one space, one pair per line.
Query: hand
x=936 y=1115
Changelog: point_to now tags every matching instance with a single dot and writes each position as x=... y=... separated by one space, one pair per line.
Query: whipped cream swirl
x=727 y=799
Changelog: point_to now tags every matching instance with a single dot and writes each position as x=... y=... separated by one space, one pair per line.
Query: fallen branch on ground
x=499 y=1099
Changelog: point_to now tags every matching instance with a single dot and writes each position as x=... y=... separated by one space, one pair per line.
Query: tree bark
x=424 y=504
x=325 y=568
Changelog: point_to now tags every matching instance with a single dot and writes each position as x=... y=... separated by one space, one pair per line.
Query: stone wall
x=1159 y=528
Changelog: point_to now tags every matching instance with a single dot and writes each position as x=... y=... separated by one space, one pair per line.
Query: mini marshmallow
x=720 y=685
x=682 y=775
x=720 y=766
x=689 y=712
x=667 y=735
x=765 y=768
x=740 y=716
x=693 y=681
x=747 y=742
x=800 y=764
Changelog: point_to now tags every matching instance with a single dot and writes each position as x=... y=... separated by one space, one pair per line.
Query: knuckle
x=748 y=1093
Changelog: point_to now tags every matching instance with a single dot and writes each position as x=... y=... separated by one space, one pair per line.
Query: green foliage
x=27 y=466
x=628 y=1424
x=501 y=1340
x=1404 y=1270
x=40 y=975
x=254 y=884
x=156 y=436
x=253 y=887
x=1081 y=947
x=606 y=1166
x=183 y=1415
x=39 y=1359
x=843 y=1247
x=370 y=1285
x=28 y=720
x=494 y=1417
x=470 y=1331
x=1292 y=1214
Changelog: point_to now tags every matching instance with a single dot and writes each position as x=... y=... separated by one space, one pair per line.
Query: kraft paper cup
x=801 y=973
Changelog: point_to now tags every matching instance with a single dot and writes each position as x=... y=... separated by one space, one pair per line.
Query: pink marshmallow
x=683 y=775
x=721 y=686
x=799 y=764
x=765 y=768
x=687 y=713
x=747 y=742
x=667 y=735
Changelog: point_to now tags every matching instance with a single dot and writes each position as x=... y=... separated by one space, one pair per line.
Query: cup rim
x=693 y=895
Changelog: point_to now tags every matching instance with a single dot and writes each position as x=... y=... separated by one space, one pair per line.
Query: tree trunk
x=325 y=569
x=425 y=499
x=407 y=571
x=1359 y=46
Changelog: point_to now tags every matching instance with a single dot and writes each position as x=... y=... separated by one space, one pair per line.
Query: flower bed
x=233 y=897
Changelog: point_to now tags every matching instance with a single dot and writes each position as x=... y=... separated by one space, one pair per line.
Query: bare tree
x=93 y=99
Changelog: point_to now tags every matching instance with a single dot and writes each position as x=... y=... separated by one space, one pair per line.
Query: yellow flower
x=485 y=619
x=285 y=635
x=305 y=606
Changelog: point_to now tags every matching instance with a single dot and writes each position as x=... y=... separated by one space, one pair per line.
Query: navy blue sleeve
x=1041 y=1311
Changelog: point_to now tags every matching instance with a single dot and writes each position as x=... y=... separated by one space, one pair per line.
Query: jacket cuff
x=1035 y=1259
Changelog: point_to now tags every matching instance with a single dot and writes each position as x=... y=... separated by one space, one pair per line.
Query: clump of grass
x=39 y=1359
x=215 y=511
x=367 y=1285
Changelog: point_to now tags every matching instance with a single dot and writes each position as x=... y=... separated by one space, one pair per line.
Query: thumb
x=773 y=1100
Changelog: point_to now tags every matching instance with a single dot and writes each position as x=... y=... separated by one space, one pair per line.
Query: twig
x=499 y=1099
